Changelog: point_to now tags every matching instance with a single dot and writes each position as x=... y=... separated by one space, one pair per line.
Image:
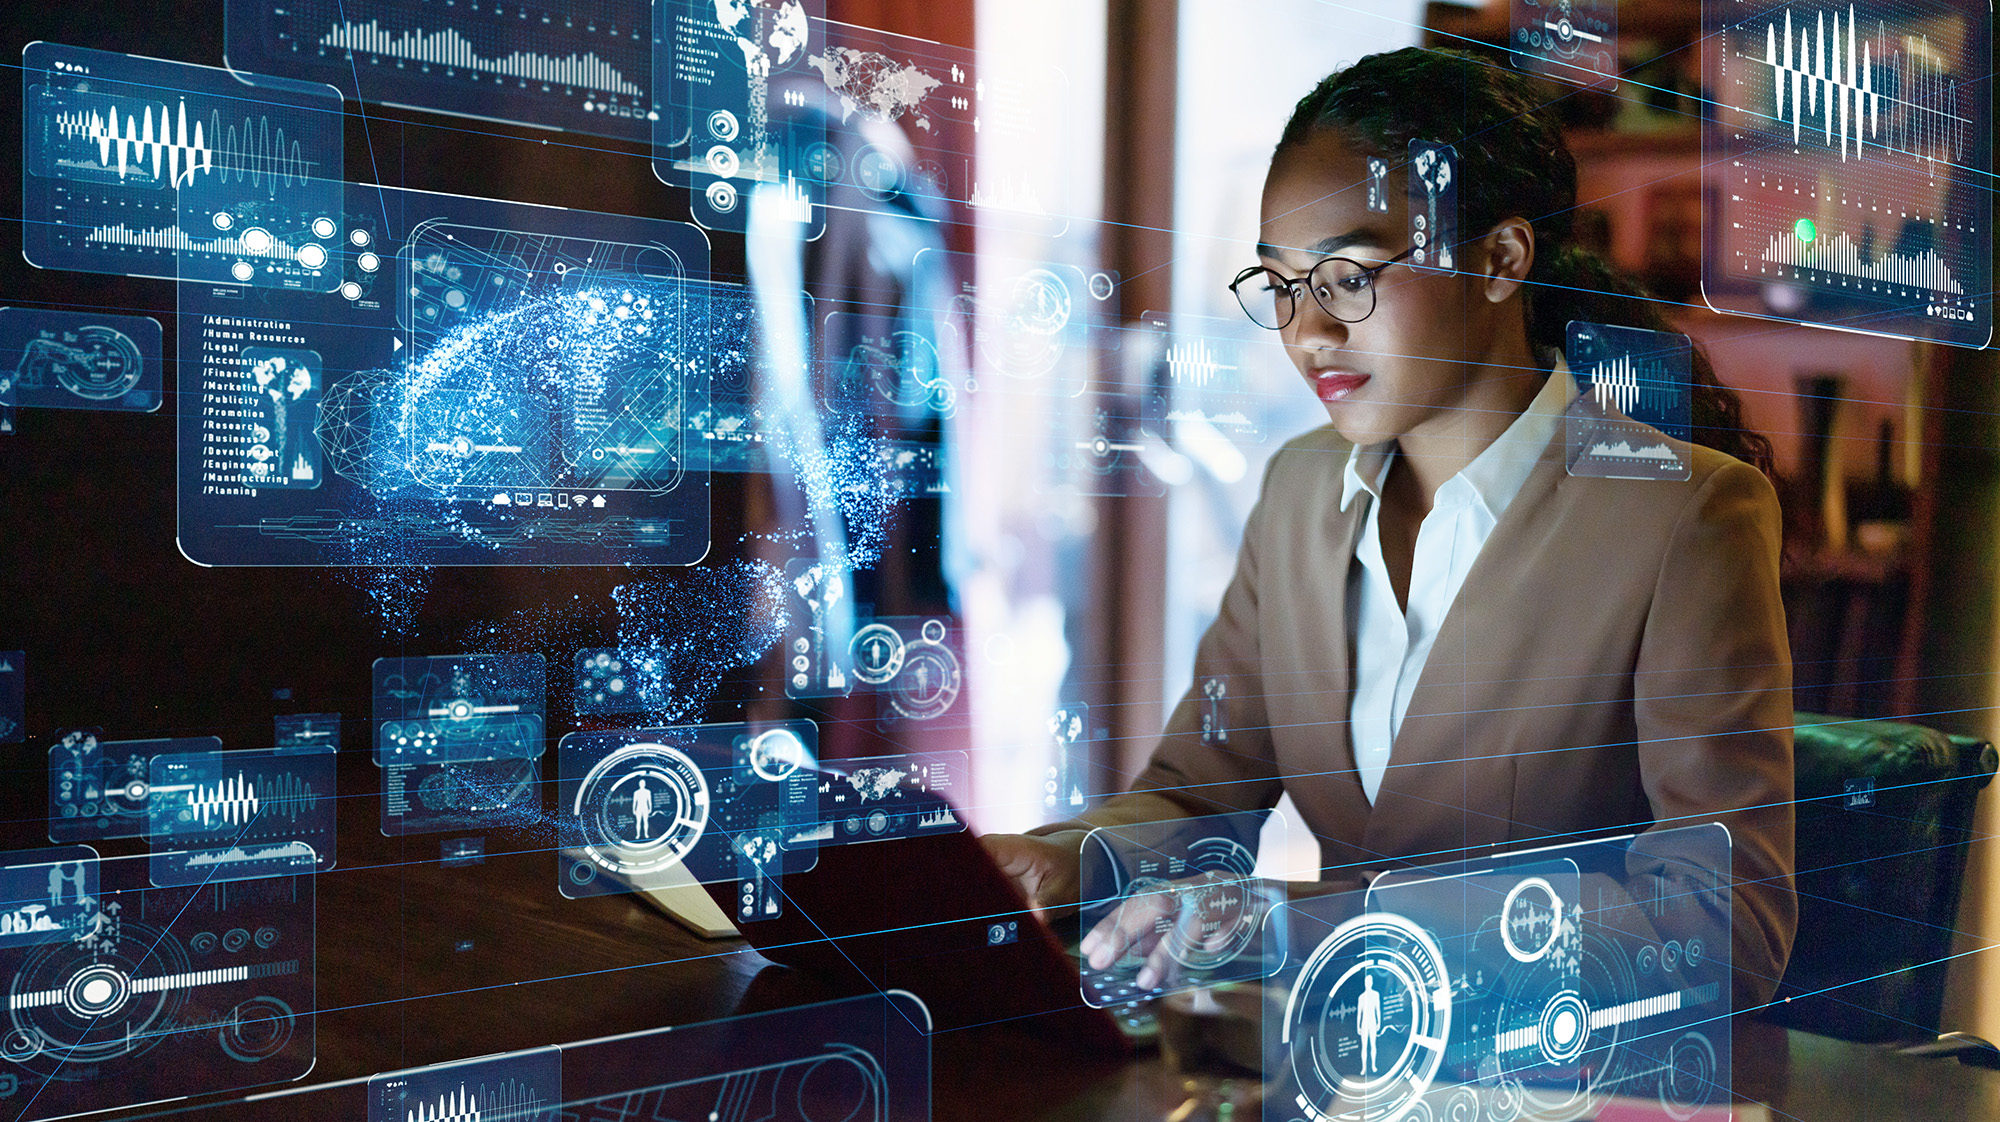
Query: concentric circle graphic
x=642 y=808
x=1368 y=1020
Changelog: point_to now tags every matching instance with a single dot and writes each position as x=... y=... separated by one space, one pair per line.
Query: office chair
x=1884 y=818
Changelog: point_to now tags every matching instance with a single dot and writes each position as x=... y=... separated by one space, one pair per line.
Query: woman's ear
x=1510 y=253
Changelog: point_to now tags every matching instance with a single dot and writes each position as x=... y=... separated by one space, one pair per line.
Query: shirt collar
x=1497 y=474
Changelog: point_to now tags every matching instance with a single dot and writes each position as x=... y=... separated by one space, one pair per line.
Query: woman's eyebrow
x=1329 y=245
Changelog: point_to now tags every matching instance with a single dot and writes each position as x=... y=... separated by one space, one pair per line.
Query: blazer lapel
x=1441 y=783
x=1332 y=799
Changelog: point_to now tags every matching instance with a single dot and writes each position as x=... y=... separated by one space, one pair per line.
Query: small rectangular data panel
x=220 y=816
x=1848 y=158
x=81 y=360
x=144 y=167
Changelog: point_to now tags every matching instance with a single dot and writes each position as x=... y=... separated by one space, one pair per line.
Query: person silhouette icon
x=1368 y=1021
x=642 y=811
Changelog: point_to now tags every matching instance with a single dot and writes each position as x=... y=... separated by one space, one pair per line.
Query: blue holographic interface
x=514 y=1087
x=1551 y=982
x=1848 y=154
x=42 y=894
x=158 y=993
x=1433 y=192
x=1574 y=40
x=1634 y=385
x=459 y=739
x=220 y=816
x=878 y=798
x=415 y=416
x=307 y=731
x=77 y=360
x=103 y=789
x=860 y=1057
x=834 y=648
x=737 y=124
x=716 y=800
x=909 y=368
x=1183 y=903
x=580 y=66
x=13 y=696
x=143 y=167
x=1028 y=322
x=459 y=707
x=1065 y=780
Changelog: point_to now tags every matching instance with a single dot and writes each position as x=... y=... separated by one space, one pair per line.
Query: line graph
x=516 y=1087
x=137 y=147
x=1822 y=71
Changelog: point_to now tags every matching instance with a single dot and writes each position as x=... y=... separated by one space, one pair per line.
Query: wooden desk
x=420 y=964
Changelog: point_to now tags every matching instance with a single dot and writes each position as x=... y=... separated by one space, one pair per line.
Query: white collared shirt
x=1391 y=647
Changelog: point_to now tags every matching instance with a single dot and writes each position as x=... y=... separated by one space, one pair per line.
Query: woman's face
x=1409 y=367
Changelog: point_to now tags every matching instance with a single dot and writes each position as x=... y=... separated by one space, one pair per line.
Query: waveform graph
x=220 y=816
x=1847 y=151
x=513 y=1087
x=144 y=167
x=1635 y=401
x=582 y=66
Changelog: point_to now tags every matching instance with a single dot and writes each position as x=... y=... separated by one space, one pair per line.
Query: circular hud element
x=1368 y=1020
x=642 y=808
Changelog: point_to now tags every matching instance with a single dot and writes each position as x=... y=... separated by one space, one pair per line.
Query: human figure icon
x=642 y=811
x=1368 y=1021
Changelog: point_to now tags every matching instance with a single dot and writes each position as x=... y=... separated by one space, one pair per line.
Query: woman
x=1436 y=639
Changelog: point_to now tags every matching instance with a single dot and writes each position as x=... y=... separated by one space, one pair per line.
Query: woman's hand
x=1045 y=867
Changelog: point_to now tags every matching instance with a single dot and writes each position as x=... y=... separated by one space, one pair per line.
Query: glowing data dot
x=242 y=271
x=257 y=240
x=97 y=991
x=1804 y=230
x=454 y=299
x=312 y=256
x=359 y=237
x=351 y=290
x=323 y=227
x=368 y=262
x=223 y=220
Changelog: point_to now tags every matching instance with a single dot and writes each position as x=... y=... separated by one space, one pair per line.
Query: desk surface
x=421 y=964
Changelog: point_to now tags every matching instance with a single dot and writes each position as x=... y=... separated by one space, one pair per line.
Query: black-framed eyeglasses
x=1342 y=286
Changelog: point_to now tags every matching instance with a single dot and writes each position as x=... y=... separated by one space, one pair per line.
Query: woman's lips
x=1332 y=385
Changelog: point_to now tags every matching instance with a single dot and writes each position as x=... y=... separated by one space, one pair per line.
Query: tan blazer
x=1615 y=661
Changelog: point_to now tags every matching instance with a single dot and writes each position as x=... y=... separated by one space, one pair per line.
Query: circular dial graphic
x=642 y=808
x=1368 y=1020
x=103 y=366
x=929 y=680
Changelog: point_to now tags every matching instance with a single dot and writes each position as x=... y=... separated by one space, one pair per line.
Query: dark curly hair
x=1513 y=163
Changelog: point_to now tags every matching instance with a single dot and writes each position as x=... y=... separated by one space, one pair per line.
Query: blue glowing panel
x=900 y=369
x=718 y=800
x=514 y=1087
x=1635 y=385
x=133 y=163
x=736 y=125
x=944 y=103
x=819 y=624
x=1065 y=782
x=1574 y=40
x=6 y=402
x=13 y=696
x=43 y=894
x=858 y=1058
x=913 y=665
x=417 y=416
x=459 y=707
x=161 y=993
x=220 y=816
x=308 y=731
x=883 y=797
x=434 y=796
x=1187 y=894
x=1577 y=981
x=1203 y=387
x=1029 y=322
x=1433 y=191
x=103 y=789
x=76 y=360
x=607 y=680
x=1848 y=156
x=581 y=66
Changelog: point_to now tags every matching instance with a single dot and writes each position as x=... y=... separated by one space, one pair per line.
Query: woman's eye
x=1357 y=283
